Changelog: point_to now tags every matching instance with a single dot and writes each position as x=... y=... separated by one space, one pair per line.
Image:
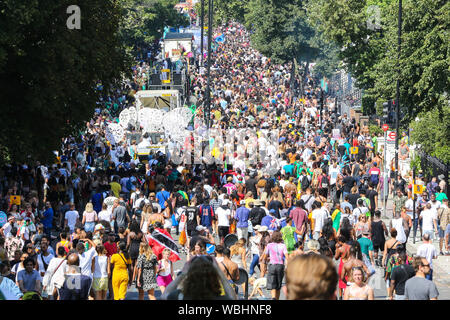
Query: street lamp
x=397 y=103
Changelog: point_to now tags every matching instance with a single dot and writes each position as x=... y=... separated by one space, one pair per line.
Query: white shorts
x=168 y=223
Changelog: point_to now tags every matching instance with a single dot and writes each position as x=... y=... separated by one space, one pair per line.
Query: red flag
x=159 y=240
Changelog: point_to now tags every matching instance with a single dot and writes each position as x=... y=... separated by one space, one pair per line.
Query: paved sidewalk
x=441 y=265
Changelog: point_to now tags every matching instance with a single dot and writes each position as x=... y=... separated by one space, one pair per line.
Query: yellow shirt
x=120 y=268
x=116 y=188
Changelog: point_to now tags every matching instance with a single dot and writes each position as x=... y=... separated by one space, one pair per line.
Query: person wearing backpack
x=324 y=183
x=374 y=175
x=366 y=201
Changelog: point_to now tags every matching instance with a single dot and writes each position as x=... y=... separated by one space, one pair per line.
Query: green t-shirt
x=288 y=237
x=366 y=245
x=441 y=196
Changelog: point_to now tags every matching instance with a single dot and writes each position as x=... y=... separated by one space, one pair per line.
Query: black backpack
x=305 y=182
x=325 y=182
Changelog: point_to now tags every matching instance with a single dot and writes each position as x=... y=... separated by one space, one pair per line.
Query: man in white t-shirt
x=409 y=205
x=86 y=257
x=223 y=219
x=434 y=203
x=429 y=220
x=318 y=219
x=71 y=218
x=428 y=251
x=5 y=231
x=333 y=173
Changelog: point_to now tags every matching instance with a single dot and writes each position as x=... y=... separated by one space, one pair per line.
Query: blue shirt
x=289 y=168
x=346 y=204
x=162 y=196
x=205 y=212
x=267 y=221
x=48 y=218
x=29 y=279
x=97 y=202
x=242 y=217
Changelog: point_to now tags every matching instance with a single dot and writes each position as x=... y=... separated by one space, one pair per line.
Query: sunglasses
x=426 y=265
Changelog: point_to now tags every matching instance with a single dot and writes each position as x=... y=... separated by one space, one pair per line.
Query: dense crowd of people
x=103 y=218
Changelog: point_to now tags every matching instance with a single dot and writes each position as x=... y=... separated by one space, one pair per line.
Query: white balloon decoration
x=114 y=133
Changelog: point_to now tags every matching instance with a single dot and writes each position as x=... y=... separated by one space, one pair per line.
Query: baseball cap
x=272 y=211
x=99 y=227
x=257 y=227
x=200 y=228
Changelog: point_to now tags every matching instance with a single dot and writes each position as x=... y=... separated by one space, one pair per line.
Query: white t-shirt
x=7 y=229
x=104 y=215
x=409 y=205
x=428 y=215
x=223 y=217
x=435 y=205
x=357 y=212
x=319 y=219
x=398 y=225
x=86 y=261
x=71 y=217
x=41 y=259
x=25 y=232
x=428 y=251
x=333 y=172
x=101 y=267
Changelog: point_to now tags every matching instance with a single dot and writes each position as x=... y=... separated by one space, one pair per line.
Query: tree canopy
x=49 y=72
x=144 y=21
x=371 y=54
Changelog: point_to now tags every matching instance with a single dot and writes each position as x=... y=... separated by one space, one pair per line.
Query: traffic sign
x=385 y=127
x=418 y=189
x=354 y=150
x=391 y=136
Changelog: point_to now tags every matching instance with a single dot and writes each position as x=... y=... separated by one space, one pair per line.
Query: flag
x=159 y=240
x=299 y=189
x=336 y=217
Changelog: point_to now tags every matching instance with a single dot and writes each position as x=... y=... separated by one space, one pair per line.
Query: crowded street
x=262 y=189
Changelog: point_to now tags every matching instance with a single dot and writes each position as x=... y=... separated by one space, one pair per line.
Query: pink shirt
x=230 y=188
x=277 y=252
x=90 y=216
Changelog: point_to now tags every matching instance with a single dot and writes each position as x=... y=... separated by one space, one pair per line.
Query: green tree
x=226 y=10
x=281 y=31
x=371 y=54
x=49 y=73
x=144 y=22
x=430 y=131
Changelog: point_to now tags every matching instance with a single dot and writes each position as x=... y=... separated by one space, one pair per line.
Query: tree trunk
x=292 y=74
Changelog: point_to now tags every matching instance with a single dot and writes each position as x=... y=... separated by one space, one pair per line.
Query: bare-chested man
x=229 y=268
x=352 y=262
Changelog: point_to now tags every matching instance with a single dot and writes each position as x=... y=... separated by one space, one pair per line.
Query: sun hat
x=263 y=228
